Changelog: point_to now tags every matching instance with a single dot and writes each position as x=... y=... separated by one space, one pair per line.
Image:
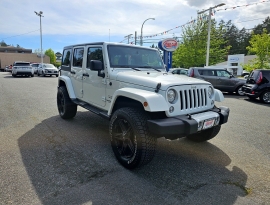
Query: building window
x=234 y=64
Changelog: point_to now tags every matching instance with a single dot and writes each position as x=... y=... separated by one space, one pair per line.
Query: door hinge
x=103 y=98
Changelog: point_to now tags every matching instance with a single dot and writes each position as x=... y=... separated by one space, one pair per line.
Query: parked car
x=220 y=78
x=35 y=66
x=245 y=73
x=22 y=68
x=47 y=69
x=179 y=71
x=9 y=68
x=258 y=85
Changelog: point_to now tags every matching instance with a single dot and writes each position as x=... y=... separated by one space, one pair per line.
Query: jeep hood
x=152 y=78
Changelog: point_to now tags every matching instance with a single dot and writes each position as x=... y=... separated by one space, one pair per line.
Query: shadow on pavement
x=64 y=157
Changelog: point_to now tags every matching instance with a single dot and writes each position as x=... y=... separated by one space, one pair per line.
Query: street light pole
x=142 y=29
x=40 y=15
x=209 y=29
x=128 y=37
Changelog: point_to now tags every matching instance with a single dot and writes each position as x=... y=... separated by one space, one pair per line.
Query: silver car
x=47 y=69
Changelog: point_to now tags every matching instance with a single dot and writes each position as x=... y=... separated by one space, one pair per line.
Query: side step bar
x=92 y=108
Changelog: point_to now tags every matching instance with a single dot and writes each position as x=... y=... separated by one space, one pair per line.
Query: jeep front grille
x=193 y=98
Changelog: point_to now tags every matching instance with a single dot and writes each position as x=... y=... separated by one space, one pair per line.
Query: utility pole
x=128 y=36
x=209 y=29
x=40 y=15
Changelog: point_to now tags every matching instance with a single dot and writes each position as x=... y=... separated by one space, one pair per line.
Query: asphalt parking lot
x=47 y=160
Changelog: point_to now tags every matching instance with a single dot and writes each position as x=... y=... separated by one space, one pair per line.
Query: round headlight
x=210 y=91
x=171 y=95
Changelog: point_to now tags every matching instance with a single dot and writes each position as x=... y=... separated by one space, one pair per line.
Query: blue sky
x=68 y=22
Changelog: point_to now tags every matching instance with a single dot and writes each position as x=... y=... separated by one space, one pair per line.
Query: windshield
x=48 y=66
x=134 y=57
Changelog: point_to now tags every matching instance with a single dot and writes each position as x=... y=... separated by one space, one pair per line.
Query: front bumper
x=180 y=126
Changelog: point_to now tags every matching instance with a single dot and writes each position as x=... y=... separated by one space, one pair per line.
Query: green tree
x=260 y=45
x=51 y=54
x=2 y=43
x=192 y=46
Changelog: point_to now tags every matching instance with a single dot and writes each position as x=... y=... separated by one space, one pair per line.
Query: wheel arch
x=146 y=100
x=65 y=81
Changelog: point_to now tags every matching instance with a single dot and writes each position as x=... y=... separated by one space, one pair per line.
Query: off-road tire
x=205 y=134
x=131 y=141
x=66 y=108
x=265 y=97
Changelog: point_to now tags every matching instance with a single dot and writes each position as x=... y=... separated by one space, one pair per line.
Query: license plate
x=208 y=123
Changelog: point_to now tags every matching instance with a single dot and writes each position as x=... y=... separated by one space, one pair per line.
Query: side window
x=66 y=57
x=222 y=73
x=207 y=72
x=78 y=57
x=94 y=53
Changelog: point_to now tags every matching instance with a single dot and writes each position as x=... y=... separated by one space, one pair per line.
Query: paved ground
x=47 y=160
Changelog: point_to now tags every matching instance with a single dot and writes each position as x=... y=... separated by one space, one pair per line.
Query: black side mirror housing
x=96 y=65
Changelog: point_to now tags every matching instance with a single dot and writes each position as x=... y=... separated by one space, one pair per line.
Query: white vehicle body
x=22 y=68
x=109 y=78
x=47 y=69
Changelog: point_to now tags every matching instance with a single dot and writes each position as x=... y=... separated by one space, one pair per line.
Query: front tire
x=66 y=108
x=265 y=97
x=205 y=134
x=131 y=141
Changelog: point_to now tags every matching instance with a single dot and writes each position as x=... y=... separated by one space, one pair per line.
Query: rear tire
x=131 y=141
x=265 y=97
x=205 y=134
x=239 y=91
x=66 y=108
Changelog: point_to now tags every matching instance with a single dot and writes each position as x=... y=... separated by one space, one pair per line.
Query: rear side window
x=66 y=57
x=206 y=72
x=78 y=57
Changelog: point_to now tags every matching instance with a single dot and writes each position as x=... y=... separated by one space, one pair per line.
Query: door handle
x=72 y=72
x=86 y=74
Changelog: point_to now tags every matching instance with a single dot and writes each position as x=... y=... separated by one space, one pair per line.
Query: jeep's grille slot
x=193 y=98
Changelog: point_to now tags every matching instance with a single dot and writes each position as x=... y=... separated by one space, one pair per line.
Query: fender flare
x=69 y=86
x=141 y=96
x=219 y=97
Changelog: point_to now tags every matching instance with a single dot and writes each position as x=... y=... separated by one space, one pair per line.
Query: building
x=234 y=63
x=10 y=54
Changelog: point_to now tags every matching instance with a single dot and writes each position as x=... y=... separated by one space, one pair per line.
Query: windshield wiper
x=149 y=67
x=126 y=66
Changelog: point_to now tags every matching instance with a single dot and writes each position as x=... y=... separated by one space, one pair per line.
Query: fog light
x=171 y=109
x=200 y=124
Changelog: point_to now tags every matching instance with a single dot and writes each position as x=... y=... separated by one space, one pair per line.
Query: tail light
x=259 y=79
x=191 y=73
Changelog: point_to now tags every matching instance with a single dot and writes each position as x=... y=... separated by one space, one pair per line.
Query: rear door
x=208 y=75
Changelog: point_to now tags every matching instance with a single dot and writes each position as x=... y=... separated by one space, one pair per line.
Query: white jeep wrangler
x=129 y=86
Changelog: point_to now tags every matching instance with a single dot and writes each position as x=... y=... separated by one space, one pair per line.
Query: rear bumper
x=251 y=90
x=181 y=126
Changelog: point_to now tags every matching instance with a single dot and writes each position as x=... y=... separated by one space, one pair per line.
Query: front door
x=94 y=86
x=224 y=81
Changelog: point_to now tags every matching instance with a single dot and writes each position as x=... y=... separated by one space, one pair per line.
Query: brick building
x=9 y=54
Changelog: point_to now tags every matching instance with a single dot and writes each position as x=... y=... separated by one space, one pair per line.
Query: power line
x=20 y=34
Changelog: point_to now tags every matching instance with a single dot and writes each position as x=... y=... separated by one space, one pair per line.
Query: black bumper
x=180 y=126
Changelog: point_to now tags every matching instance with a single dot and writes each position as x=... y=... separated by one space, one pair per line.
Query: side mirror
x=95 y=65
